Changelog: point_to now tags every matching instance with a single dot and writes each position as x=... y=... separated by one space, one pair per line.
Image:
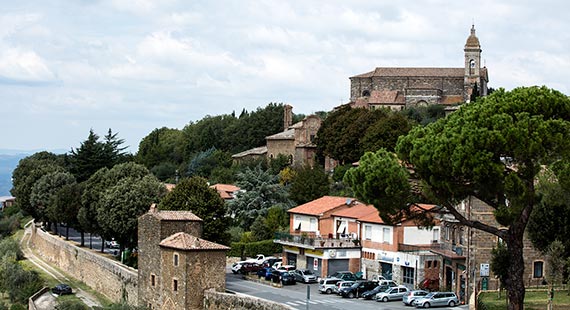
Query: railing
x=312 y=241
x=458 y=249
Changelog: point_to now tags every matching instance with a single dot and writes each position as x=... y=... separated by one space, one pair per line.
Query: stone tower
x=287 y=116
x=176 y=266
x=472 y=64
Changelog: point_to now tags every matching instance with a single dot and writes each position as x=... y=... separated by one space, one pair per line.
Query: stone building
x=297 y=141
x=176 y=266
x=466 y=266
x=397 y=88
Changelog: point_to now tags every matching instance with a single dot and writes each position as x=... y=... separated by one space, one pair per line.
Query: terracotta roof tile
x=225 y=187
x=372 y=218
x=184 y=241
x=413 y=72
x=356 y=211
x=320 y=205
x=167 y=215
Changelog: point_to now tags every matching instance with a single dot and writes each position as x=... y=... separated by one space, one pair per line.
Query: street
x=295 y=296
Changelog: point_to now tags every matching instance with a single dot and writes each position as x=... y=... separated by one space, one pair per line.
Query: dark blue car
x=265 y=273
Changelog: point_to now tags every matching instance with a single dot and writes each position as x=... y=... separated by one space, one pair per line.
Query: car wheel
x=452 y=303
x=328 y=291
x=385 y=299
x=427 y=305
x=351 y=295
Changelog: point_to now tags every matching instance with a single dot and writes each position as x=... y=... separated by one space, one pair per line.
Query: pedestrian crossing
x=296 y=303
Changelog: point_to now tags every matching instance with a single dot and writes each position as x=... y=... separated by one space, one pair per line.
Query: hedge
x=251 y=249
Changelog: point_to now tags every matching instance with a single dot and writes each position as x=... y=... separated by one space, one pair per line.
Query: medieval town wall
x=112 y=279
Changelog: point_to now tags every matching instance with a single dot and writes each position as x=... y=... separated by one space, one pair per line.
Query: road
x=294 y=296
x=95 y=240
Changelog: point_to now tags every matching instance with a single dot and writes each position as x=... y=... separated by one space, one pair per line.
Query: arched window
x=366 y=93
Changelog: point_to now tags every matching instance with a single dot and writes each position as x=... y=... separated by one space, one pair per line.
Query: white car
x=237 y=266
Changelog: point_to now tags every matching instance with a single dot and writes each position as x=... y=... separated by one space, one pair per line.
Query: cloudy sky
x=135 y=65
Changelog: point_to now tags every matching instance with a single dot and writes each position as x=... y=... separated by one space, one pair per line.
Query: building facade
x=398 y=88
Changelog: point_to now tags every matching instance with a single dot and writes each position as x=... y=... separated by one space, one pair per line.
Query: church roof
x=187 y=242
x=288 y=134
x=255 y=151
x=413 y=72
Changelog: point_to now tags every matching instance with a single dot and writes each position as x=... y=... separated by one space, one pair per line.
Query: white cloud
x=24 y=65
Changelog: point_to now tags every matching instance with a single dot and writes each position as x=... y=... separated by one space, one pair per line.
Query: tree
x=128 y=193
x=65 y=207
x=492 y=149
x=309 y=184
x=194 y=194
x=500 y=262
x=28 y=172
x=88 y=158
x=384 y=133
x=113 y=151
x=44 y=192
x=259 y=230
x=160 y=146
x=262 y=191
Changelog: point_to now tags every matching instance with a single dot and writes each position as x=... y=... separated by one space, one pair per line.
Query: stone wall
x=106 y=276
x=222 y=301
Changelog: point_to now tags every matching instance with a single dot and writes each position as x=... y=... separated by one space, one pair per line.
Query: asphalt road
x=95 y=240
x=295 y=296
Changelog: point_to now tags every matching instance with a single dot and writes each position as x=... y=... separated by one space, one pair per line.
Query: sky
x=135 y=65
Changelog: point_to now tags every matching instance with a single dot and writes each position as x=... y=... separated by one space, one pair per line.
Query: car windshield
x=307 y=272
x=355 y=285
x=430 y=295
x=377 y=289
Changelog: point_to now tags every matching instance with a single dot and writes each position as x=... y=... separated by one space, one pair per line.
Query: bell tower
x=472 y=63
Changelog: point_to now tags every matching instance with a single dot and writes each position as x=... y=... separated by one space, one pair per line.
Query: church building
x=399 y=88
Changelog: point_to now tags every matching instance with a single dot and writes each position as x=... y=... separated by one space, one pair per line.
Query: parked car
x=269 y=261
x=357 y=289
x=268 y=273
x=342 y=284
x=305 y=276
x=409 y=297
x=61 y=289
x=283 y=277
x=248 y=267
x=327 y=285
x=437 y=299
x=393 y=293
x=287 y=267
x=261 y=273
x=344 y=275
x=372 y=293
x=236 y=266
x=259 y=259
x=112 y=244
x=389 y=283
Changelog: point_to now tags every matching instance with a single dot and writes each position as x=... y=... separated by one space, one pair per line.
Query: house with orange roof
x=226 y=191
x=332 y=234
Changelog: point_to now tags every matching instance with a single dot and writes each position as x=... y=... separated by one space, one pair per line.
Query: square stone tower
x=175 y=265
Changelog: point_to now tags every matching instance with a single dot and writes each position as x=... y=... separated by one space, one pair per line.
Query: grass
x=534 y=300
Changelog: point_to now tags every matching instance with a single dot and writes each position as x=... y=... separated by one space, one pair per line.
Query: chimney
x=287 y=116
x=153 y=208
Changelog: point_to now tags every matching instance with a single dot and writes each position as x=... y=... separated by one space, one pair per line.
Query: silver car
x=410 y=296
x=327 y=285
x=393 y=293
x=341 y=285
x=305 y=276
x=437 y=299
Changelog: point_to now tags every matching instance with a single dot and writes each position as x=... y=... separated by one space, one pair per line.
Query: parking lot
x=295 y=296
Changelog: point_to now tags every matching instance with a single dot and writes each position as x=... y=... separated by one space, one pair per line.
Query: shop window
x=408 y=275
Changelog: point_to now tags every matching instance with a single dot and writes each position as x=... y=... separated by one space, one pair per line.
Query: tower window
x=152 y=280
x=366 y=93
x=175 y=285
x=175 y=259
x=538 y=268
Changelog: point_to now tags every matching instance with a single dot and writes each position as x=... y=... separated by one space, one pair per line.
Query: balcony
x=445 y=249
x=310 y=241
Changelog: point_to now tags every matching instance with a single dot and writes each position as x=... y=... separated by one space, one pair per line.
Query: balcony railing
x=457 y=249
x=311 y=241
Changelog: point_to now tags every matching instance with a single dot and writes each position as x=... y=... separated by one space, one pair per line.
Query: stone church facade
x=176 y=266
x=398 y=88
